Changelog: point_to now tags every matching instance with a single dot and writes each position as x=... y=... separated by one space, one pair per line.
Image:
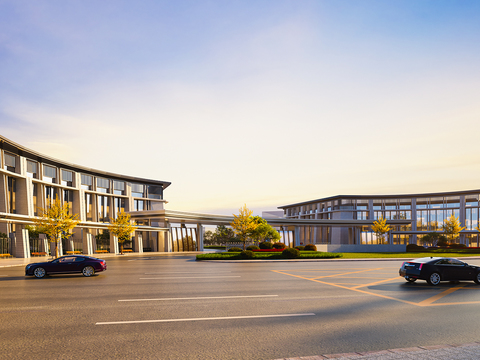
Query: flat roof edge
x=385 y=196
x=74 y=167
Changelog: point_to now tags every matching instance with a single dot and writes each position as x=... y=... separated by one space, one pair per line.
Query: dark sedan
x=70 y=264
x=436 y=269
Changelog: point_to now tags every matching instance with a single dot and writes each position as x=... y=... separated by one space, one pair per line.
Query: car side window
x=442 y=262
x=78 y=259
x=456 y=262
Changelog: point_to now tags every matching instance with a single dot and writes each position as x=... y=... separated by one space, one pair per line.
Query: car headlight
x=28 y=267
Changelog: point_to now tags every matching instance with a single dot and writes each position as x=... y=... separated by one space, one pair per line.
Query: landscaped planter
x=268 y=250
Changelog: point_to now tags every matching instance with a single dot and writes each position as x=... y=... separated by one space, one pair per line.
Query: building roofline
x=395 y=196
x=18 y=149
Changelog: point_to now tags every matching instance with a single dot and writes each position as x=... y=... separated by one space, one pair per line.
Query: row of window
x=66 y=178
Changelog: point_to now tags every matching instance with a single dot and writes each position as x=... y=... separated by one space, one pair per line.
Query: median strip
x=189 y=277
x=201 y=319
x=203 y=298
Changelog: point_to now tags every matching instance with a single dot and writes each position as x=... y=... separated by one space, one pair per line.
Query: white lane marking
x=203 y=298
x=201 y=319
x=189 y=277
x=185 y=272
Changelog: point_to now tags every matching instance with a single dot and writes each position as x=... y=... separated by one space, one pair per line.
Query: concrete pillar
x=22 y=242
x=153 y=240
x=296 y=236
x=87 y=243
x=200 y=234
x=138 y=243
x=113 y=244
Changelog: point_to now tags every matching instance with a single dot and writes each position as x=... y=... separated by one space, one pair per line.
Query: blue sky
x=259 y=102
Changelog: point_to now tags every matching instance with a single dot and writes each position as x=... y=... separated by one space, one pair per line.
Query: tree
x=264 y=231
x=223 y=234
x=433 y=238
x=56 y=222
x=122 y=227
x=243 y=225
x=380 y=228
x=451 y=228
x=209 y=238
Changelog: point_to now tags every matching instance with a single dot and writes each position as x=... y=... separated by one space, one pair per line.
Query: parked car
x=70 y=264
x=436 y=269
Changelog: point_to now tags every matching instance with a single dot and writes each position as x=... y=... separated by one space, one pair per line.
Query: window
x=11 y=195
x=103 y=185
x=67 y=178
x=87 y=182
x=32 y=169
x=50 y=193
x=10 y=162
x=118 y=187
x=137 y=190
x=119 y=205
x=103 y=208
x=35 y=201
x=49 y=173
x=155 y=192
x=471 y=200
x=88 y=207
x=138 y=205
x=68 y=199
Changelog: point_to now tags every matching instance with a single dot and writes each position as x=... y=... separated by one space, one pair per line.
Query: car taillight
x=403 y=265
x=420 y=268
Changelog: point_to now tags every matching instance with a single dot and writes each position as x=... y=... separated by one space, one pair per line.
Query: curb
x=421 y=351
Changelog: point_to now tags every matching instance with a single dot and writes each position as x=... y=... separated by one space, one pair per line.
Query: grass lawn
x=410 y=255
x=325 y=255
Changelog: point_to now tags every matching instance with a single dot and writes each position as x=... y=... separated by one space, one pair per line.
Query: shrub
x=457 y=246
x=253 y=247
x=247 y=254
x=414 y=247
x=310 y=247
x=300 y=247
x=235 y=249
x=266 y=245
x=279 y=245
x=290 y=253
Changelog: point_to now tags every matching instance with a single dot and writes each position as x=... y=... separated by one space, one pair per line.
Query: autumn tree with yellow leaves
x=380 y=228
x=451 y=228
x=122 y=227
x=56 y=222
x=243 y=224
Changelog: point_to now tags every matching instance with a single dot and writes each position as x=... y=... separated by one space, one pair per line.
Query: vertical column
x=413 y=238
x=462 y=211
x=113 y=244
x=22 y=242
x=87 y=243
x=200 y=235
x=138 y=242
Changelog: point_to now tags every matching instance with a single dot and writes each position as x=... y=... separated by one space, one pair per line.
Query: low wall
x=360 y=248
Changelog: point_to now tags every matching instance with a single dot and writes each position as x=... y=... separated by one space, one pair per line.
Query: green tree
x=223 y=234
x=122 y=227
x=451 y=228
x=209 y=238
x=243 y=225
x=264 y=231
x=56 y=222
x=433 y=238
x=380 y=228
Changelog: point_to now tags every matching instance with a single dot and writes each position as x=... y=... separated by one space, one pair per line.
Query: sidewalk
x=469 y=351
x=8 y=262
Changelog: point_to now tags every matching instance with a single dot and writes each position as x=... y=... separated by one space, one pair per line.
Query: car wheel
x=434 y=279
x=39 y=272
x=88 y=271
x=477 y=278
x=410 y=280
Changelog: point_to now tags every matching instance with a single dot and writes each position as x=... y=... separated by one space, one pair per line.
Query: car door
x=65 y=264
x=445 y=268
x=461 y=270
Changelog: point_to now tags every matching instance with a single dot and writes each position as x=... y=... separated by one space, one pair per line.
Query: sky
x=263 y=103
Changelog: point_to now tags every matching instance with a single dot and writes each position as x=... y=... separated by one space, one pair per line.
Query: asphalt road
x=172 y=307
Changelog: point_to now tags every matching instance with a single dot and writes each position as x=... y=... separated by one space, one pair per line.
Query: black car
x=86 y=265
x=436 y=269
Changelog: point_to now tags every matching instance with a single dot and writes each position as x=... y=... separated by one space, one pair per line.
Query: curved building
x=29 y=180
x=419 y=215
